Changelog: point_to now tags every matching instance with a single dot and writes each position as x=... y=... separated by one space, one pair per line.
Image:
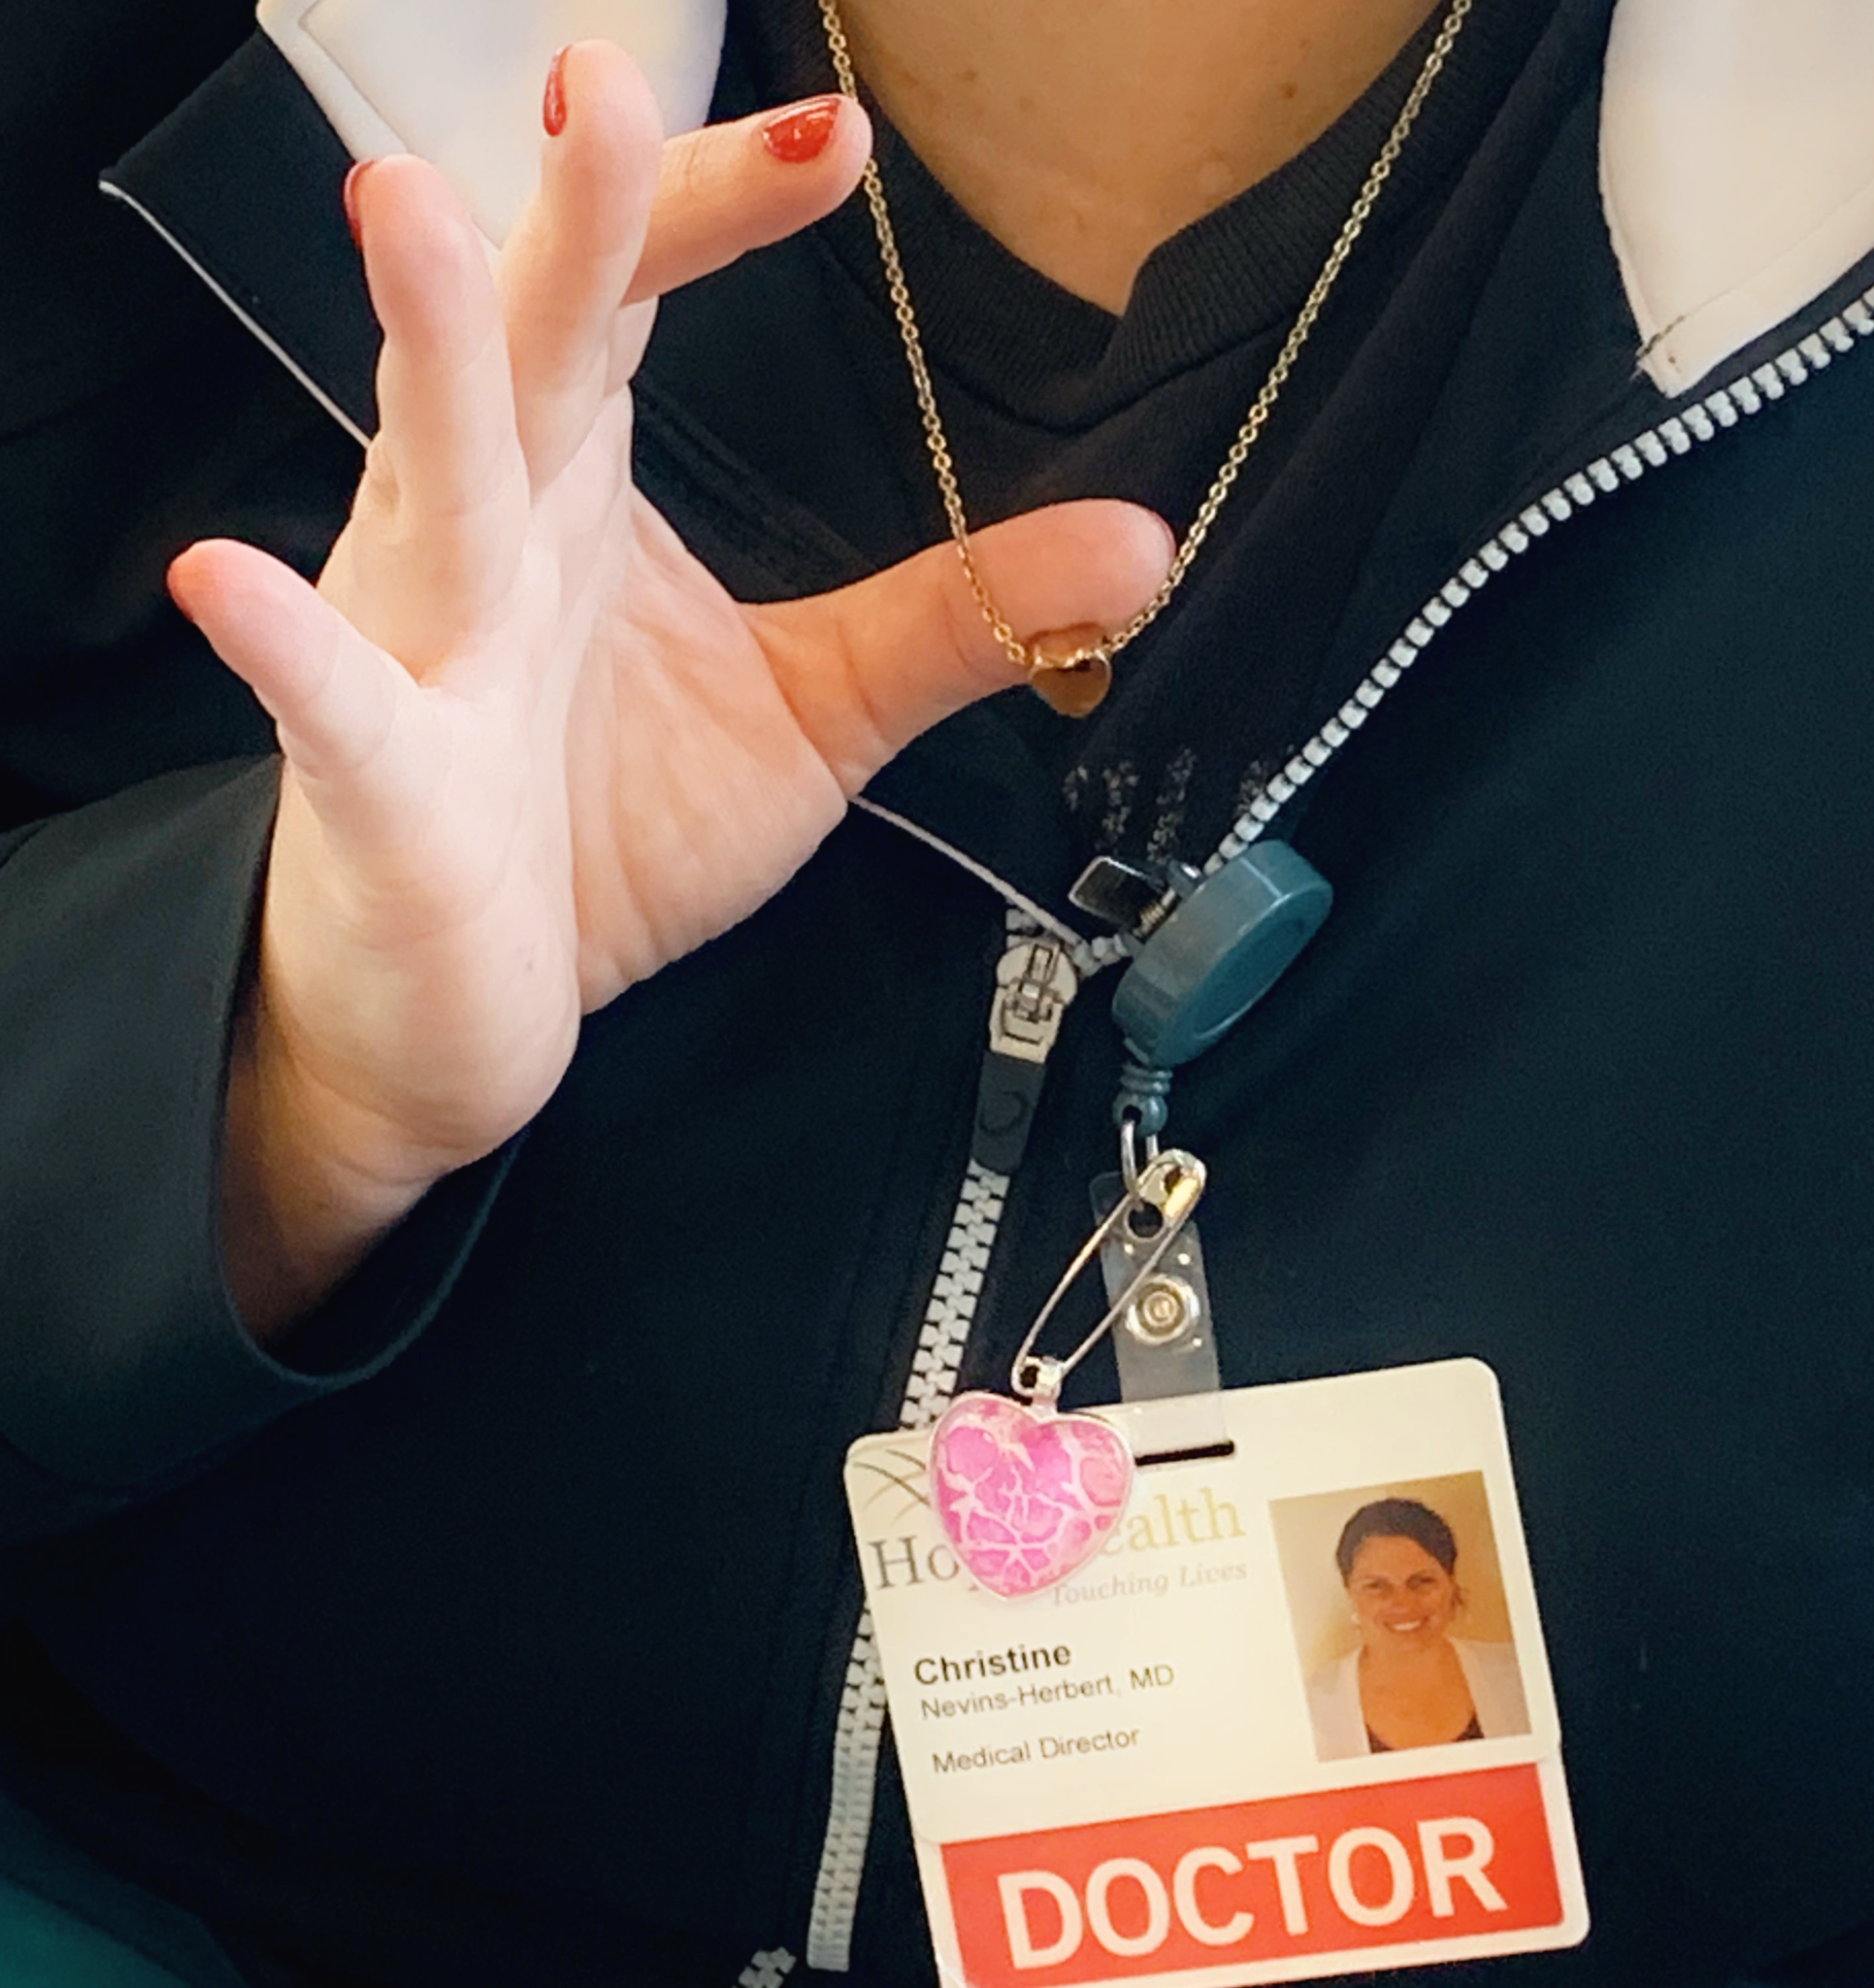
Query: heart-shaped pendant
x=1025 y=1494
x=1073 y=689
x=1071 y=669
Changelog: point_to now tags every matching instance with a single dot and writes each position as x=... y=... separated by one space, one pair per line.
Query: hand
x=533 y=751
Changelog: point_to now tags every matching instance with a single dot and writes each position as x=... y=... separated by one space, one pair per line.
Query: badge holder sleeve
x=1121 y=1778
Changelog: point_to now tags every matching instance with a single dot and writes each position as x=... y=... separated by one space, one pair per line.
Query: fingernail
x=553 y=106
x=801 y=133
x=350 y=194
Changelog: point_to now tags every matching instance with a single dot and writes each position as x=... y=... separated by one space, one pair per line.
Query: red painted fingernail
x=350 y=194
x=801 y=133
x=553 y=107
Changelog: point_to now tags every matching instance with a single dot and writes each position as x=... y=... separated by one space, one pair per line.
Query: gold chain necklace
x=1072 y=668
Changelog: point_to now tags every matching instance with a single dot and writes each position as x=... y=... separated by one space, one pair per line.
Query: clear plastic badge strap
x=1163 y=1342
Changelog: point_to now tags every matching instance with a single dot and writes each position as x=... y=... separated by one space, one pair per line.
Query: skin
x=1412 y=1689
x=531 y=751
x=1083 y=133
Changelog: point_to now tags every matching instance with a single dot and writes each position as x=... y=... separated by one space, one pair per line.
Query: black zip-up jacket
x=508 y=1636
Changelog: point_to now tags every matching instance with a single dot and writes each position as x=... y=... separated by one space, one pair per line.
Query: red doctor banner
x=1257 y=1883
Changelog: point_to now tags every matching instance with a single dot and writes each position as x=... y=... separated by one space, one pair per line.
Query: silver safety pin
x=1170 y=1184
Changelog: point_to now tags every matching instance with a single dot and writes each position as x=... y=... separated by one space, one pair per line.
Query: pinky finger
x=349 y=716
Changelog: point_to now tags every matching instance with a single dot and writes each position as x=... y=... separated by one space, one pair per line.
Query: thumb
x=868 y=668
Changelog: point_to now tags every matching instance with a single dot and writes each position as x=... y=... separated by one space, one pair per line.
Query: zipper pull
x=1034 y=980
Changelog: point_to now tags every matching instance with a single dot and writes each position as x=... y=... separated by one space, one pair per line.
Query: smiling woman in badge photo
x=1402 y=1624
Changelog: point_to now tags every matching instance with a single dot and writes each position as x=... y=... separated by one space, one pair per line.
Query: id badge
x=1293 y=1719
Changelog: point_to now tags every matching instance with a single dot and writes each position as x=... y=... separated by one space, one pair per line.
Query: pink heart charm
x=1025 y=1494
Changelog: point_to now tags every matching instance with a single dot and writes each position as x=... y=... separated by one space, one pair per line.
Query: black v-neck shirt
x=1046 y=396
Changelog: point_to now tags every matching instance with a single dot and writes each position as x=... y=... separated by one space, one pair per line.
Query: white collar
x=1737 y=167
x=459 y=82
x=1737 y=136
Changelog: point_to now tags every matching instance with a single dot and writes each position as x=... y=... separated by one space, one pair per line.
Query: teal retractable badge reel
x=1221 y=944
x=1205 y=949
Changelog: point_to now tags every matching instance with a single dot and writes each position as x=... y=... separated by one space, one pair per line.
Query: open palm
x=532 y=751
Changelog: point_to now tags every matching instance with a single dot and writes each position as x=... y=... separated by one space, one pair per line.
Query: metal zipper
x=978 y=1211
x=1034 y=983
x=1024 y=1016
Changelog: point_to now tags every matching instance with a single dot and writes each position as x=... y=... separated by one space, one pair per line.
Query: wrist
x=308 y=1183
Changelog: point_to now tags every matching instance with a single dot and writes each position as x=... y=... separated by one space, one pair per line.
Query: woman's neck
x=1083 y=133
x=1385 y=1663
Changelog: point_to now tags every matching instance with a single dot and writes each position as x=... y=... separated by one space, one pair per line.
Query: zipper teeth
x=768 y=1969
x=953 y=1297
x=860 y=1731
x=855 y=1774
x=861 y=1728
x=1677 y=435
x=979 y=1206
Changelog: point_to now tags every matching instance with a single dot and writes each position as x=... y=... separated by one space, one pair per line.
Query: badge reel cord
x=1204 y=949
